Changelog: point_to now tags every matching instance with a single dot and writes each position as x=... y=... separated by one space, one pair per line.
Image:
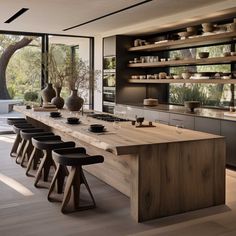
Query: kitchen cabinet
x=228 y=129
x=207 y=125
x=183 y=120
x=157 y=116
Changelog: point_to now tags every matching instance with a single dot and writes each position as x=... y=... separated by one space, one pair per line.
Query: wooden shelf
x=176 y=81
x=189 y=42
x=203 y=61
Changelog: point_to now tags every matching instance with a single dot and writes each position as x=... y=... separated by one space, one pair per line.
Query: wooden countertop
x=125 y=140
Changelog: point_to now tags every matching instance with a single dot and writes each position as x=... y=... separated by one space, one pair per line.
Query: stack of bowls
x=192 y=30
x=208 y=27
x=232 y=26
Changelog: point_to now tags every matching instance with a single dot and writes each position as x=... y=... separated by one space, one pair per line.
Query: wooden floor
x=24 y=210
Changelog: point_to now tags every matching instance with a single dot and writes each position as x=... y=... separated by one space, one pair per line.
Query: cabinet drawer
x=186 y=121
x=228 y=129
x=207 y=125
x=132 y=112
x=164 y=117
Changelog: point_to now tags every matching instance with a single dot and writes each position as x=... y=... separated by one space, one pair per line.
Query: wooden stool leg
x=23 y=156
x=40 y=169
x=84 y=181
x=37 y=157
x=16 y=143
x=47 y=165
x=58 y=178
x=68 y=187
x=19 y=151
x=76 y=188
x=32 y=156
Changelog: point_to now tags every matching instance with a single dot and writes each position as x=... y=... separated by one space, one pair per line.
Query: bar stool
x=47 y=144
x=17 y=128
x=75 y=158
x=13 y=121
x=29 y=150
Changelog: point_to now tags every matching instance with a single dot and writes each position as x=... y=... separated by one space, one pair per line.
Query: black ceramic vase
x=58 y=101
x=74 y=102
x=48 y=93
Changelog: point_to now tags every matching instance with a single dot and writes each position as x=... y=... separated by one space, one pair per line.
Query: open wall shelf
x=200 y=40
x=193 y=61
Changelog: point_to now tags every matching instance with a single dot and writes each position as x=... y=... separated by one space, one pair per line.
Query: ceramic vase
x=58 y=101
x=74 y=102
x=48 y=93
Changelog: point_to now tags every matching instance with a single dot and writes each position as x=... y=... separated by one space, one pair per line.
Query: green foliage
x=31 y=96
x=209 y=94
x=22 y=74
x=181 y=93
x=11 y=92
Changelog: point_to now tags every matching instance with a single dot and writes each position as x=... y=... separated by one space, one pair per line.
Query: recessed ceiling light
x=19 y=13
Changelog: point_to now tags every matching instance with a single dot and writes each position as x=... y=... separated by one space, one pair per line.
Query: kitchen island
x=163 y=170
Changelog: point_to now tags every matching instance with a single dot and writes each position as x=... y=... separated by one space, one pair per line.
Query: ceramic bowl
x=96 y=128
x=203 y=54
x=227 y=54
x=73 y=120
x=184 y=34
x=55 y=114
x=186 y=75
x=176 y=76
x=192 y=29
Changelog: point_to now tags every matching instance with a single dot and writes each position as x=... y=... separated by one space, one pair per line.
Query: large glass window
x=211 y=95
x=22 y=75
x=68 y=53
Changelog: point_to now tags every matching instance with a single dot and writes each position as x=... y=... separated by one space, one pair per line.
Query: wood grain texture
x=203 y=40
x=163 y=172
x=177 y=81
x=188 y=61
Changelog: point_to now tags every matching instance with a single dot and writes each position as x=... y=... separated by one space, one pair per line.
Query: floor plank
x=34 y=215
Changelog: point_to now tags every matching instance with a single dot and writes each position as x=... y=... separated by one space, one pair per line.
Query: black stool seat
x=18 y=127
x=47 y=144
x=27 y=134
x=19 y=142
x=76 y=158
x=12 y=121
x=55 y=142
x=36 y=154
x=28 y=151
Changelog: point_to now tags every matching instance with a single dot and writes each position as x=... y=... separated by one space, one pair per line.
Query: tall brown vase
x=48 y=93
x=58 y=101
x=74 y=102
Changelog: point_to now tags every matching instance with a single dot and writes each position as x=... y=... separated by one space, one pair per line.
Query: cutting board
x=45 y=109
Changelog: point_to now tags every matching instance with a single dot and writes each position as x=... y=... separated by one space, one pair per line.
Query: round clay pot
x=48 y=93
x=58 y=101
x=74 y=102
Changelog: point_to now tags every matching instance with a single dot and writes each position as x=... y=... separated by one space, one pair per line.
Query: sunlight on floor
x=7 y=139
x=15 y=185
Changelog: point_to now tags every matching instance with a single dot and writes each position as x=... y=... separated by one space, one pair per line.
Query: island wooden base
x=163 y=179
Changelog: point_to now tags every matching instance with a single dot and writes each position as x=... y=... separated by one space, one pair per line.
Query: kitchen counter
x=200 y=112
x=157 y=167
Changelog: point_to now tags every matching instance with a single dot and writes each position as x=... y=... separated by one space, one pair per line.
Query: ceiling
x=52 y=16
